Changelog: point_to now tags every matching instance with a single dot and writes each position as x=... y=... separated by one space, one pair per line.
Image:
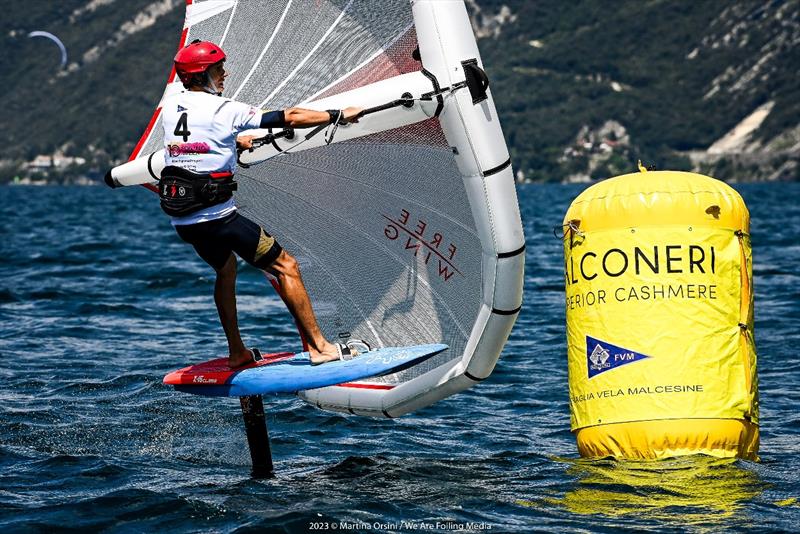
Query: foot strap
x=359 y=346
x=345 y=353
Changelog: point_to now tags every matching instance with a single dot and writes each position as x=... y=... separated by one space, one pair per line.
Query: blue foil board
x=287 y=373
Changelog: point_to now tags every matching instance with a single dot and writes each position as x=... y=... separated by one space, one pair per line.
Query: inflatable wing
x=406 y=224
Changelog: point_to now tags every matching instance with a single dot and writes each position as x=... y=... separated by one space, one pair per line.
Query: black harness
x=184 y=192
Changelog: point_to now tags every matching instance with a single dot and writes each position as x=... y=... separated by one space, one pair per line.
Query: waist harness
x=184 y=192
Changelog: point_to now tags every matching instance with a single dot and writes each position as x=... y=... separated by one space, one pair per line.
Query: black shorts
x=215 y=240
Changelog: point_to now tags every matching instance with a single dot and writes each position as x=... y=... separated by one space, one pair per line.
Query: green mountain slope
x=120 y=56
x=676 y=75
x=584 y=88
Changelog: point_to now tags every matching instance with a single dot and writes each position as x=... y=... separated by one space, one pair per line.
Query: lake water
x=99 y=299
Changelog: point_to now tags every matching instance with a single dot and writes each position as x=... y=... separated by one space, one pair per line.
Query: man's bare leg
x=295 y=296
x=225 y=299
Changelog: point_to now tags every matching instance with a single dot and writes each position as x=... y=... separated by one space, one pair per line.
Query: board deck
x=285 y=372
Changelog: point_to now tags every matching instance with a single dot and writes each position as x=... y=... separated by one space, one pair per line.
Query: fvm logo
x=602 y=356
x=599 y=359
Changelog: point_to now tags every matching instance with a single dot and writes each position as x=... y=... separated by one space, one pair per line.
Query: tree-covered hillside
x=677 y=76
x=584 y=88
x=120 y=55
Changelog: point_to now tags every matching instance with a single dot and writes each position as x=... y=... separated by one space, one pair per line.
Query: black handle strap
x=477 y=80
x=406 y=100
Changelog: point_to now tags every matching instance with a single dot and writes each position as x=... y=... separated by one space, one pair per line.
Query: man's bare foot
x=328 y=354
x=241 y=358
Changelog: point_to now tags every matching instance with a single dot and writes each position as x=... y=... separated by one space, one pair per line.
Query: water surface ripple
x=99 y=299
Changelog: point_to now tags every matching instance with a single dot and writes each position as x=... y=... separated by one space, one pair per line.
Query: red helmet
x=195 y=58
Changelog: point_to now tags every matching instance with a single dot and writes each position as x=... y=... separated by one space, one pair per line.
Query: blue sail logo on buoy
x=602 y=356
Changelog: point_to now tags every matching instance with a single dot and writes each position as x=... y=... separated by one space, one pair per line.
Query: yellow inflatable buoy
x=659 y=309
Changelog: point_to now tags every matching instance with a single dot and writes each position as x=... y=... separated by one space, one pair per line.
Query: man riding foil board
x=196 y=190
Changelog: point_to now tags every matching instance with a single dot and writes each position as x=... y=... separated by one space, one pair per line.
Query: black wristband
x=336 y=115
x=273 y=119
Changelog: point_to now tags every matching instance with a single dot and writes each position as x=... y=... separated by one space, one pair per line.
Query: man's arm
x=303 y=118
x=296 y=118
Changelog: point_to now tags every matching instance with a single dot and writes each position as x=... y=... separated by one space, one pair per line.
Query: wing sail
x=406 y=225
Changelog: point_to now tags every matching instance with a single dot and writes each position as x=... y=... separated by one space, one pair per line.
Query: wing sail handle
x=147 y=170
